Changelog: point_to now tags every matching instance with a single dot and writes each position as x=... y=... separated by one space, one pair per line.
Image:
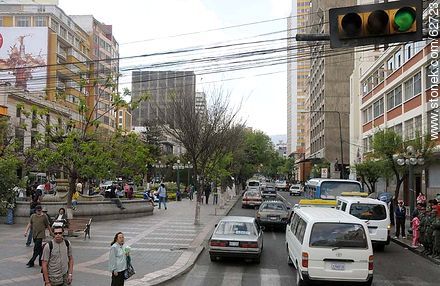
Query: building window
x=409 y=129
x=398 y=59
x=398 y=129
x=394 y=98
x=378 y=108
x=40 y=21
x=413 y=86
x=54 y=26
x=418 y=126
x=390 y=65
x=22 y=21
x=409 y=48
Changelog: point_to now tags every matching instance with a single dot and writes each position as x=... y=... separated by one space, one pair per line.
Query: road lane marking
x=232 y=276
x=274 y=236
x=270 y=277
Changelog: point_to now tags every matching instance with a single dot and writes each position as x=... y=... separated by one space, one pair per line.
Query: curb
x=189 y=265
x=398 y=242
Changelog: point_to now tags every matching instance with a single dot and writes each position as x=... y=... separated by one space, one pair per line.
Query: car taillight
x=370 y=262
x=217 y=243
x=305 y=260
x=249 y=244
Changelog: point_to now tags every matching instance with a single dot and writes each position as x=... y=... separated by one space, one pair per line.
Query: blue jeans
x=162 y=200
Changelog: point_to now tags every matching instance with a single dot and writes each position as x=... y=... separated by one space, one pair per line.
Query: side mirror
x=288 y=208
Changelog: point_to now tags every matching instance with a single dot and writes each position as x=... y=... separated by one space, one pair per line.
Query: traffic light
x=376 y=24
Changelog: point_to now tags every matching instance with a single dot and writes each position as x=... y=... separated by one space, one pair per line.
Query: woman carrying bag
x=119 y=261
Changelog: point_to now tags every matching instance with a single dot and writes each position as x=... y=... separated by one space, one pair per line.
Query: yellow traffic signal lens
x=404 y=19
x=352 y=24
x=377 y=22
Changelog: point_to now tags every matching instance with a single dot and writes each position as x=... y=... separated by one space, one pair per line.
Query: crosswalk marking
x=233 y=277
x=197 y=276
x=270 y=277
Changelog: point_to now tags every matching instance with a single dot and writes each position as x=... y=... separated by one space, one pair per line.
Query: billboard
x=23 y=57
x=22 y=2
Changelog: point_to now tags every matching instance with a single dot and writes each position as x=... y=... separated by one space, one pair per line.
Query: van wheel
x=299 y=281
x=369 y=282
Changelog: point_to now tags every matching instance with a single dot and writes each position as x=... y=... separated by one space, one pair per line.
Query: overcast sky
x=144 y=26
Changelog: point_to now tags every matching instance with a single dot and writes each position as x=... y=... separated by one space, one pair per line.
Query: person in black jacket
x=400 y=219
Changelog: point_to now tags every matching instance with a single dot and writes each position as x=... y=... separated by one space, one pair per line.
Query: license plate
x=273 y=218
x=234 y=243
x=338 y=266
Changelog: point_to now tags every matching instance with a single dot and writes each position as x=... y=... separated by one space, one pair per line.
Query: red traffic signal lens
x=352 y=24
x=378 y=22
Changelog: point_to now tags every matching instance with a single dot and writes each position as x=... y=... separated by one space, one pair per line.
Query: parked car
x=236 y=236
x=251 y=199
x=269 y=192
x=295 y=190
x=273 y=213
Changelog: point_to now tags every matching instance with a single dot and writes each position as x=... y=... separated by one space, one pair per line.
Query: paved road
x=395 y=266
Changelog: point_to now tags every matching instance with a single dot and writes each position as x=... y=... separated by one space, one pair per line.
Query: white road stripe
x=270 y=277
x=274 y=236
x=196 y=276
x=232 y=276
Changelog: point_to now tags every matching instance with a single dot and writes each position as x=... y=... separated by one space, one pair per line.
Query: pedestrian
x=191 y=192
x=61 y=219
x=126 y=189
x=38 y=223
x=57 y=262
x=44 y=210
x=162 y=194
x=117 y=262
x=422 y=229
x=207 y=193
x=47 y=187
x=130 y=193
x=436 y=234
x=75 y=198
x=421 y=199
x=36 y=196
x=215 y=196
x=400 y=220
x=79 y=187
x=429 y=233
x=415 y=224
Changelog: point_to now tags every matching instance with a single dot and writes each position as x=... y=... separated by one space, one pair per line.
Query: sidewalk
x=164 y=245
x=407 y=243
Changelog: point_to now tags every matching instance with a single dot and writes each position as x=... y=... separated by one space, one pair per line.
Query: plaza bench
x=80 y=224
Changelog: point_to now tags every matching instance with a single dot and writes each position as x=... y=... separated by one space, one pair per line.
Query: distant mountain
x=276 y=138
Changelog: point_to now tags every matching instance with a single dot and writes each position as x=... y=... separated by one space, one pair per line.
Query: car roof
x=361 y=200
x=317 y=214
x=274 y=201
x=316 y=181
x=238 y=219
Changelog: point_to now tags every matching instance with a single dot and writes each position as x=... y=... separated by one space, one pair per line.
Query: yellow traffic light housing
x=375 y=24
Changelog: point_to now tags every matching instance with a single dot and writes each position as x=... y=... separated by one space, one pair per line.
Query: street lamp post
x=342 y=173
x=410 y=158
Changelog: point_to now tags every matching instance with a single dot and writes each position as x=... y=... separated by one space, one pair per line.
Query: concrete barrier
x=98 y=210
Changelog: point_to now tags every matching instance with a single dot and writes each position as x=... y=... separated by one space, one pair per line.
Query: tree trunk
x=197 y=189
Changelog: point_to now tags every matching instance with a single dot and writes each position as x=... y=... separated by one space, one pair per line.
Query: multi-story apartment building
x=44 y=37
x=26 y=121
x=123 y=120
x=399 y=91
x=328 y=89
x=298 y=67
x=201 y=105
x=104 y=51
x=159 y=86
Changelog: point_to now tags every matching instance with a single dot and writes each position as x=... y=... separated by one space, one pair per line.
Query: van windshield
x=330 y=190
x=368 y=211
x=253 y=184
x=341 y=235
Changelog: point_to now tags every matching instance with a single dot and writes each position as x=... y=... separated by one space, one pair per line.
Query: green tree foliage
x=370 y=171
x=9 y=163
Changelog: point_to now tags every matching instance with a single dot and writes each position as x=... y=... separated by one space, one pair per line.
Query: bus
x=329 y=189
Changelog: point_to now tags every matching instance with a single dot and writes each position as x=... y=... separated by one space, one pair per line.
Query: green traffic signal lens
x=352 y=24
x=404 y=19
x=378 y=22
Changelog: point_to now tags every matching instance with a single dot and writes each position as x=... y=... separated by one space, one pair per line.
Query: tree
x=387 y=144
x=370 y=171
x=9 y=163
x=204 y=135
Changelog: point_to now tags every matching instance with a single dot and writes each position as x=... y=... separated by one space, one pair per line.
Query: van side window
x=338 y=206
x=301 y=230
x=344 y=206
x=294 y=223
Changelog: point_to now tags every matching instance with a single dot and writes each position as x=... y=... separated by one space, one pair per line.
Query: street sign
x=376 y=24
x=324 y=173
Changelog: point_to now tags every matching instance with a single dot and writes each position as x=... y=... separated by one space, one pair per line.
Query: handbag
x=130 y=269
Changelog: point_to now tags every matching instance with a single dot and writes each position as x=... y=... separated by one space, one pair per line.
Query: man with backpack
x=57 y=266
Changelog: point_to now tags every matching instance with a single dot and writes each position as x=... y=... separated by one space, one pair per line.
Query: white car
x=238 y=237
x=281 y=185
x=295 y=190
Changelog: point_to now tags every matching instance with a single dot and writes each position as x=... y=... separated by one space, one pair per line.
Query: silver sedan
x=236 y=236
